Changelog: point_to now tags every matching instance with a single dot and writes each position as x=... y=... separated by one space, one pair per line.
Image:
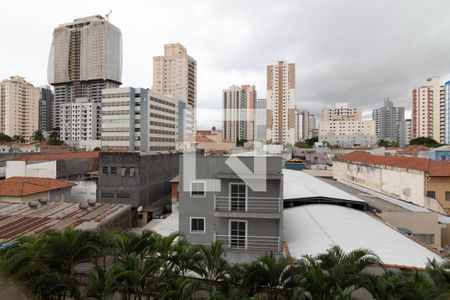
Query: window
x=424 y=237
x=105 y=170
x=113 y=170
x=238 y=196
x=107 y=195
x=198 y=189
x=443 y=157
x=447 y=196
x=431 y=194
x=123 y=171
x=197 y=225
x=132 y=171
x=123 y=195
x=238 y=234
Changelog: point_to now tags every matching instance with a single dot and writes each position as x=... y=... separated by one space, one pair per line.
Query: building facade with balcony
x=217 y=204
x=79 y=120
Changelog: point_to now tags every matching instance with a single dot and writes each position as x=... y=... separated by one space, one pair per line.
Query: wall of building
x=39 y=169
x=440 y=185
x=404 y=184
x=418 y=223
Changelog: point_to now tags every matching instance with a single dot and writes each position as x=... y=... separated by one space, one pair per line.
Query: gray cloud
x=355 y=51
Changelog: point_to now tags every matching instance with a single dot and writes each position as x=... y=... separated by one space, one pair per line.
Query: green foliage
x=387 y=144
x=53 y=138
x=240 y=143
x=308 y=143
x=38 y=136
x=5 y=137
x=425 y=141
x=18 y=138
x=97 y=149
x=111 y=264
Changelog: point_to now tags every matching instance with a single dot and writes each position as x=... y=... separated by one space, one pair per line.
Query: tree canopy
x=425 y=141
x=111 y=264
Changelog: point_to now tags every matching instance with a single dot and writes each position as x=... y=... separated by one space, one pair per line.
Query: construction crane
x=107 y=15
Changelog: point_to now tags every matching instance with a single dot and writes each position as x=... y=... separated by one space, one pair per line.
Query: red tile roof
x=432 y=167
x=23 y=186
x=61 y=156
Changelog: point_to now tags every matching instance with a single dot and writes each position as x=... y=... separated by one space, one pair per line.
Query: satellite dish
x=139 y=209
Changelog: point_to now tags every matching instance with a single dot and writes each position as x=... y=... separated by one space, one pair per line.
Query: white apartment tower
x=239 y=113
x=85 y=58
x=281 y=103
x=19 y=107
x=175 y=75
x=137 y=119
x=79 y=120
x=428 y=110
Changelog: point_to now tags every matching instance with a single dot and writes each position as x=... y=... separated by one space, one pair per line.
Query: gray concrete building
x=390 y=122
x=141 y=180
x=85 y=57
x=217 y=204
x=45 y=108
x=261 y=120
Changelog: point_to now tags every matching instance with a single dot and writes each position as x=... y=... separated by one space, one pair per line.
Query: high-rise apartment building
x=312 y=130
x=175 y=75
x=302 y=122
x=250 y=96
x=137 y=119
x=407 y=131
x=239 y=113
x=85 y=58
x=343 y=125
x=79 y=120
x=390 y=122
x=281 y=103
x=447 y=112
x=19 y=107
x=428 y=110
x=45 y=108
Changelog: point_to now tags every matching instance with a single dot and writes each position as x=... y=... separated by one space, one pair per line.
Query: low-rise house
x=441 y=153
x=219 y=204
x=26 y=189
x=422 y=181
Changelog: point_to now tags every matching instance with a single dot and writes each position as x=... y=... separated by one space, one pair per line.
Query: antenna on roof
x=107 y=15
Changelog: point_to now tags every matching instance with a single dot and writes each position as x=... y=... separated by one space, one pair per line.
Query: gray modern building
x=140 y=180
x=390 y=122
x=85 y=57
x=45 y=108
x=217 y=204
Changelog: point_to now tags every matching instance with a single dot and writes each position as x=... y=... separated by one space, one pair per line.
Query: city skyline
x=228 y=44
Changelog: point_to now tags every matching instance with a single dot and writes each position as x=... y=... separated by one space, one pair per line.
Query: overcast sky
x=354 y=51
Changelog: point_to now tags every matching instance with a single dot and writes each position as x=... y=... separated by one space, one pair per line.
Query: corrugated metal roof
x=312 y=229
x=298 y=185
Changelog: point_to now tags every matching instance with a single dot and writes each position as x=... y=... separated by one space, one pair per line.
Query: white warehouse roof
x=312 y=229
x=298 y=185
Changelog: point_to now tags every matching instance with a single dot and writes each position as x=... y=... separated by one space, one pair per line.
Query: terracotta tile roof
x=217 y=152
x=432 y=167
x=199 y=139
x=60 y=156
x=23 y=186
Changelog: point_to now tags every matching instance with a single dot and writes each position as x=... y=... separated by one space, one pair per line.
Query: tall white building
x=175 y=75
x=390 y=122
x=302 y=123
x=79 y=120
x=19 y=107
x=428 y=110
x=85 y=57
x=343 y=125
x=407 y=131
x=239 y=113
x=447 y=112
x=137 y=119
x=281 y=103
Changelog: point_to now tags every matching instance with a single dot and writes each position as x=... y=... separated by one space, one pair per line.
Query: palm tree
x=271 y=274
